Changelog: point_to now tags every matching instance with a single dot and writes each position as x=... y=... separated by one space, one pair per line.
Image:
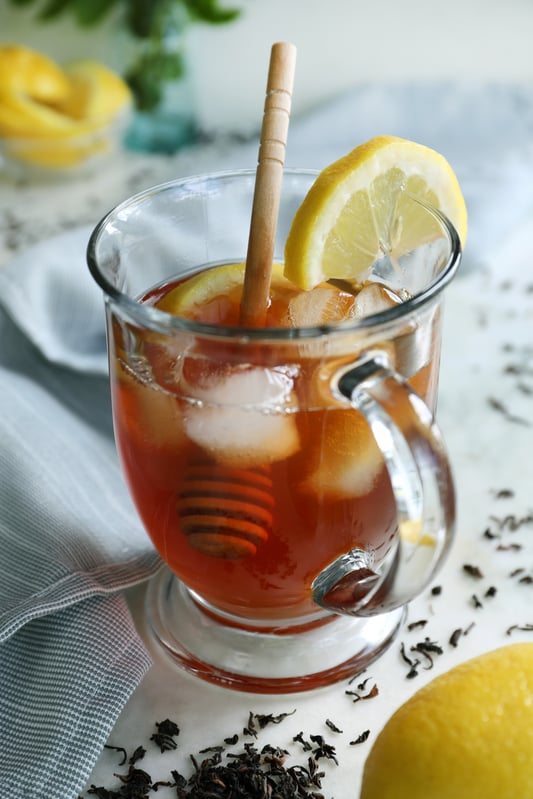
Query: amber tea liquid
x=248 y=476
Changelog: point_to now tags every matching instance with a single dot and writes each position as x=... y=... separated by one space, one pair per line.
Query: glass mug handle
x=422 y=484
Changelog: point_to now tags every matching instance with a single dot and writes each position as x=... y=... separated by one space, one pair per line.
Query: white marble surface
x=486 y=413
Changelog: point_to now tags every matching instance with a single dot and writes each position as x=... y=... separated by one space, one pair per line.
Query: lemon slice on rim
x=349 y=217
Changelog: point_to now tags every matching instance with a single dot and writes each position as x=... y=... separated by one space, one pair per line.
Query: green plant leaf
x=91 y=12
x=147 y=93
x=143 y=15
x=149 y=74
x=52 y=9
x=21 y=2
x=210 y=11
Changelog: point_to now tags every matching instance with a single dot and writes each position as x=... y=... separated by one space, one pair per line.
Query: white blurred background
x=341 y=43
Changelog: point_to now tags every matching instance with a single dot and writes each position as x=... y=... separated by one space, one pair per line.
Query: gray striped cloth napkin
x=70 y=539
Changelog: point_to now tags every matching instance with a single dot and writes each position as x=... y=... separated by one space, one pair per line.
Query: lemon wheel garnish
x=349 y=217
x=188 y=298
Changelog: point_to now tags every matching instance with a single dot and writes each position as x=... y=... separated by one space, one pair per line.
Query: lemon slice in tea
x=214 y=295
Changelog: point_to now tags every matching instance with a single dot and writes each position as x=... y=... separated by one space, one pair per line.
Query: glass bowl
x=63 y=156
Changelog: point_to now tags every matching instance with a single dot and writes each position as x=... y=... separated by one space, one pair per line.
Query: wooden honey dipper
x=226 y=512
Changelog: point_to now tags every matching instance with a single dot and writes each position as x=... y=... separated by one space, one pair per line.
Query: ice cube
x=320 y=306
x=412 y=345
x=242 y=415
x=374 y=298
x=348 y=460
x=416 y=344
x=154 y=416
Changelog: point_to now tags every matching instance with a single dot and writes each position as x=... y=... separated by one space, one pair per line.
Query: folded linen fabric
x=69 y=536
x=51 y=296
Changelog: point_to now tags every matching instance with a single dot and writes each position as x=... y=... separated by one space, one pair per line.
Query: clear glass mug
x=293 y=480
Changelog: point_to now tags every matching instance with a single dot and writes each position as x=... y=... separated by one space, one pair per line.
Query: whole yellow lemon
x=466 y=735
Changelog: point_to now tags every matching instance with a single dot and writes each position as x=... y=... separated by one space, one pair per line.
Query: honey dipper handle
x=269 y=176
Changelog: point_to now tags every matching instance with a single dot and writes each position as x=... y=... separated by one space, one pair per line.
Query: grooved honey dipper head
x=225 y=512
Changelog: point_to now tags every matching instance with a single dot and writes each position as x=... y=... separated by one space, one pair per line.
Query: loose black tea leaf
x=512 y=522
x=504 y=493
x=179 y=780
x=476 y=602
x=333 y=727
x=460 y=631
x=164 y=737
x=524 y=627
x=436 y=590
x=323 y=749
x=249 y=774
x=455 y=636
x=102 y=793
x=118 y=749
x=357 y=695
x=162 y=784
x=299 y=738
x=427 y=648
x=491 y=591
x=473 y=571
x=274 y=754
x=410 y=662
x=231 y=741
x=263 y=719
x=360 y=738
x=136 y=784
x=498 y=406
x=417 y=625
x=250 y=728
x=362 y=685
x=167 y=727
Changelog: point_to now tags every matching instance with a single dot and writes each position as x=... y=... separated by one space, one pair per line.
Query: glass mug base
x=289 y=659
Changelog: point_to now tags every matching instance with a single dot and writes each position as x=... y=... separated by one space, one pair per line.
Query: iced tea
x=250 y=478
